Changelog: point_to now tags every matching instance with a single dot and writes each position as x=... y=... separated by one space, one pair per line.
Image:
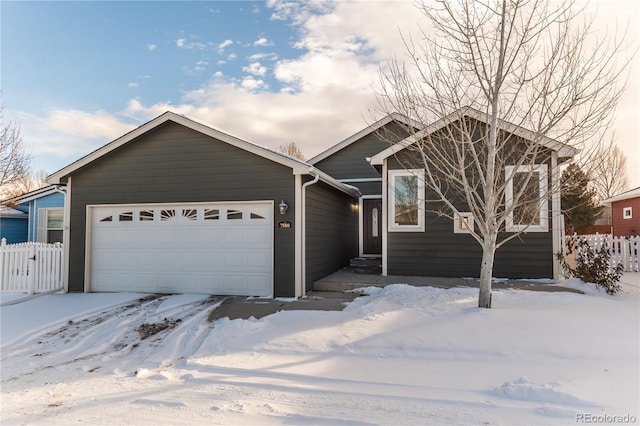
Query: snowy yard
x=400 y=355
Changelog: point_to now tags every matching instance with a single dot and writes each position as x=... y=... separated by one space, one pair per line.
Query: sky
x=76 y=75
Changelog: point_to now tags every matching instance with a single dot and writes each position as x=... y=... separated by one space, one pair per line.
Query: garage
x=223 y=248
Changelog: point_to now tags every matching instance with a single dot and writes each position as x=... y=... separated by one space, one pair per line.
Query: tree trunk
x=486 y=273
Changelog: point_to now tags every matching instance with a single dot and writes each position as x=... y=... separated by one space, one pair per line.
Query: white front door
x=212 y=248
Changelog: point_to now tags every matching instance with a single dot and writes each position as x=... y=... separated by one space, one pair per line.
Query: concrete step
x=366 y=262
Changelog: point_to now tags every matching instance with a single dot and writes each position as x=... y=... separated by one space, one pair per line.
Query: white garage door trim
x=223 y=248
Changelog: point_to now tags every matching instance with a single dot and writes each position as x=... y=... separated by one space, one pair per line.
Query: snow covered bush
x=592 y=265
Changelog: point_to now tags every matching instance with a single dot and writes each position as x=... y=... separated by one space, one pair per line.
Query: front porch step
x=365 y=262
x=365 y=265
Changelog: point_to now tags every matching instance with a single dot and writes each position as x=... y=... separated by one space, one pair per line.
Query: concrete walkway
x=345 y=280
x=333 y=293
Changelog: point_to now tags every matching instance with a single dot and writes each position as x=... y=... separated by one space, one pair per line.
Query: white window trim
x=43 y=220
x=392 y=226
x=624 y=213
x=543 y=222
x=460 y=221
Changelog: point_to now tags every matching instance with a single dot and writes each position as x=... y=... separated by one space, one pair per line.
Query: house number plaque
x=284 y=225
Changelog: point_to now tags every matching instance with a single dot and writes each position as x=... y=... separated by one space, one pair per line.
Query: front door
x=372 y=226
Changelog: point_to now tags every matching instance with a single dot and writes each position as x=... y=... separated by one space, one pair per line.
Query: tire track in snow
x=99 y=337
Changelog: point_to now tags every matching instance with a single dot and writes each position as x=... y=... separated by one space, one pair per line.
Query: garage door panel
x=258 y=283
x=222 y=248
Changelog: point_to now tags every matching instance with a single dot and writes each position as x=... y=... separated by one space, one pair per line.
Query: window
x=50 y=225
x=406 y=200
x=627 y=213
x=527 y=187
x=463 y=223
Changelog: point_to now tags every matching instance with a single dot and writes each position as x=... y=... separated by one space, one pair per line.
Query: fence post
x=3 y=247
x=31 y=269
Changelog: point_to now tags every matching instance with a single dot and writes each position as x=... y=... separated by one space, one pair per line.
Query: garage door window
x=211 y=214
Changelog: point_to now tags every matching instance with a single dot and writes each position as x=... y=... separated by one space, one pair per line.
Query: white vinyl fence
x=624 y=250
x=30 y=267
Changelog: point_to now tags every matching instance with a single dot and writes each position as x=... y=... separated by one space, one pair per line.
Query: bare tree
x=14 y=161
x=292 y=150
x=24 y=184
x=607 y=170
x=513 y=78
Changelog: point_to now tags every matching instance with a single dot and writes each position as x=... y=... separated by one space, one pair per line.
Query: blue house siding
x=55 y=200
x=14 y=229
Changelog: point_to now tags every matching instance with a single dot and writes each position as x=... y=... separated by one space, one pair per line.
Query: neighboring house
x=44 y=210
x=177 y=206
x=13 y=225
x=625 y=213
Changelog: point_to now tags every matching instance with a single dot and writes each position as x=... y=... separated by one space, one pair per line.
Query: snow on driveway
x=400 y=355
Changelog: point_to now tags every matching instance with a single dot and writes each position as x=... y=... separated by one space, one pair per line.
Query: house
x=178 y=206
x=13 y=225
x=348 y=162
x=625 y=213
x=43 y=211
x=411 y=239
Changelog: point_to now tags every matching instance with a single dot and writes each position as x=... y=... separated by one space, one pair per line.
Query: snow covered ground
x=399 y=355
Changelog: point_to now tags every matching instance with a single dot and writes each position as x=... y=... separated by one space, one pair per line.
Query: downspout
x=304 y=228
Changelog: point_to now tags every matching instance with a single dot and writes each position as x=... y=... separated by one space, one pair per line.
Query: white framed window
x=531 y=213
x=406 y=200
x=463 y=223
x=627 y=213
x=50 y=225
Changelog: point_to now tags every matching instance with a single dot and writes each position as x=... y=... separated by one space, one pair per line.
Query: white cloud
x=223 y=45
x=151 y=47
x=252 y=84
x=132 y=84
x=258 y=56
x=182 y=43
x=255 y=68
x=262 y=41
x=201 y=65
x=232 y=56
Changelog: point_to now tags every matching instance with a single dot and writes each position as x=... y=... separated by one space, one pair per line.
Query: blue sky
x=78 y=74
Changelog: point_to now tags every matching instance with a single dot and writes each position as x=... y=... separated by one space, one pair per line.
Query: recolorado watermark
x=590 y=418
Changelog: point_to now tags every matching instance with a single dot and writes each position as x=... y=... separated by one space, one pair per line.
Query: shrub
x=592 y=265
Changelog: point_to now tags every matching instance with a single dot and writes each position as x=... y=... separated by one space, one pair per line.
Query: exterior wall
x=331 y=231
x=172 y=163
x=14 y=229
x=55 y=200
x=439 y=252
x=350 y=162
x=626 y=227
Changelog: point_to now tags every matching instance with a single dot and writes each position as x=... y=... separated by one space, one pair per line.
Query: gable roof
x=297 y=166
x=633 y=193
x=364 y=132
x=33 y=195
x=564 y=151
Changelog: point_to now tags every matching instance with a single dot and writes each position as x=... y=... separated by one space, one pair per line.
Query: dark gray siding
x=439 y=252
x=172 y=163
x=332 y=231
x=368 y=188
x=350 y=162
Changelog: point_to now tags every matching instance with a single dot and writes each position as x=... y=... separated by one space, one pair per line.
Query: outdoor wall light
x=283 y=207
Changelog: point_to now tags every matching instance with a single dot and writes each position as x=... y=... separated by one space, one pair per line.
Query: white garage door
x=217 y=248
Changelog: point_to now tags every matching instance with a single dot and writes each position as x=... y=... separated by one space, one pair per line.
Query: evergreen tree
x=578 y=199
